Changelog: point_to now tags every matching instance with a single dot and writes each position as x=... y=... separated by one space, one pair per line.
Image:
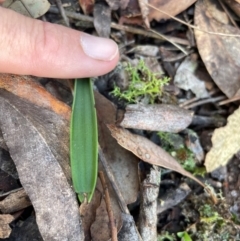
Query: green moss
x=143 y=83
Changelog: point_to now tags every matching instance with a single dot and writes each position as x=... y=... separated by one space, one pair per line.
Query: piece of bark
x=148 y=207
x=15 y=202
x=169 y=118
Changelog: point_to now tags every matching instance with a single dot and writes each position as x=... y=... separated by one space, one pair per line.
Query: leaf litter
x=216 y=33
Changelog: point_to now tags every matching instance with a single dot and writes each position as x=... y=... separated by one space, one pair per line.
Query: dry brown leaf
x=170 y=6
x=115 y=4
x=226 y=143
x=145 y=11
x=169 y=118
x=131 y=10
x=86 y=5
x=95 y=217
x=148 y=151
x=26 y=88
x=5 y=230
x=234 y=5
x=220 y=54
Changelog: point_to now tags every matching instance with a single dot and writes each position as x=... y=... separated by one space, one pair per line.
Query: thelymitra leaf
x=84 y=140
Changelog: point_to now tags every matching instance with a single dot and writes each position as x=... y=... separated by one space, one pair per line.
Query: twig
x=148 y=207
x=62 y=12
x=170 y=41
x=138 y=31
x=227 y=101
x=202 y=102
x=109 y=207
x=12 y=191
x=192 y=26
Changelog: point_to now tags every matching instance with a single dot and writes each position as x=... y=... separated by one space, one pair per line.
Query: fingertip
x=51 y=50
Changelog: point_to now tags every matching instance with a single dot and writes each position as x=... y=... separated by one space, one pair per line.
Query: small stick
x=138 y=31
x=192 y=26
x=202 y=102
x=109 y=207
x=62 y=12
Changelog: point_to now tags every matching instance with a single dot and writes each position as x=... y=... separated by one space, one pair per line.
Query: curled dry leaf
x=220 y=54
x=38 y=140
x=148 y=151
x=226 y=143
x=145 y=11
x=169 y=118
x=168 y=6
x=86 y=5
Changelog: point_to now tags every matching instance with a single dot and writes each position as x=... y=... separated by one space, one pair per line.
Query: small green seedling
x=143 y=83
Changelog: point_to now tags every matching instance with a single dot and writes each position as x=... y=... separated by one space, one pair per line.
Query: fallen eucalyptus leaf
x=226 y=143
x=220 y=54
x=168 y=6
x=148 y=151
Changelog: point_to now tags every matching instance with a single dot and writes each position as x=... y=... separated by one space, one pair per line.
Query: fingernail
x=98 y=48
